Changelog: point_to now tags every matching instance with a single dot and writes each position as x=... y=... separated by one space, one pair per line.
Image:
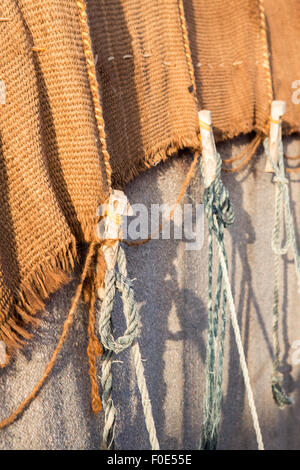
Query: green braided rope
x=282 y=204
x=220 y=214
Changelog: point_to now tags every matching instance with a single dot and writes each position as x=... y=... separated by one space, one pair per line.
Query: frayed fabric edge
x=32 y=294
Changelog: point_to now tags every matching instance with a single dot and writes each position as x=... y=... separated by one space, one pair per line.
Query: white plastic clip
x=110 y=227
x=209 y=153
x=278 y=109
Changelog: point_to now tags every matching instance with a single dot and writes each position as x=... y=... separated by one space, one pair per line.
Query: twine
x=283 y=217
x=220 y=214
x=119 y=280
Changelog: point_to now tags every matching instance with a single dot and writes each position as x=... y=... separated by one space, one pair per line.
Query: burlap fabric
x=51 y=179
x=151 y=59
x=283 y=19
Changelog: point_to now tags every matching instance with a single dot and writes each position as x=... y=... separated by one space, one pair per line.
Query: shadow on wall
x=172 y=319
x=171 y=291
x=174 y=324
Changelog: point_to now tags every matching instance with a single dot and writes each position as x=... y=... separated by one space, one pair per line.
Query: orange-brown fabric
x=51 y=175
x=157 y=62
x=228 y=50
x=283 y=19
x=145 y=79
x=148 y=104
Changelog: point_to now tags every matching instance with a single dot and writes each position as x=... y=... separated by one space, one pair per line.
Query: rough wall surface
x=171 y=290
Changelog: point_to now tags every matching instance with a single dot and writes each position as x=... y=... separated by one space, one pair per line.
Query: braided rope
x=240 y=348
x=94 y=349
x=108 y=437
x=265 y=51
x=220 y=214
x=89 y=57
x=113 y=281
x=187 y=50
x=146 y=403
x=118 y=280
x=282 y=205
x=216 y=202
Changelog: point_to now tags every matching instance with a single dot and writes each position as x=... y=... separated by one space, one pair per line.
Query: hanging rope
x=119 y=280
x=239 y=343
x=113 y=280
x=94 y=350
x=216 y=202
x=248 y=153
x=283 y=217
x=220 y=214
x=66 y=328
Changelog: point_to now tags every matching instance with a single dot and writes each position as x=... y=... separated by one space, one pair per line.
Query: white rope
x=140 y=376
x=240 y=348
x=112 y=345
x=147 y=408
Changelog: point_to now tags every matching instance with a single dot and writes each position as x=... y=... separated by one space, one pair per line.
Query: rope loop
x=118 y=281
x=283 y=217
x=281 y=203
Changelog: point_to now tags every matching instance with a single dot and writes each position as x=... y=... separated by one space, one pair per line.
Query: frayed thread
x=30 y=298
x=159 y=153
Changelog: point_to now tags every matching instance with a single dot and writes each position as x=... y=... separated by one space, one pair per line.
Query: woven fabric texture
x=283 y=18
x=228 y=51
x=156 y=63
x=51 y=176
x=148 y=103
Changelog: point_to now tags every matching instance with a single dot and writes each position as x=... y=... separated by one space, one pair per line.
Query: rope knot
x=279 y=179
x=217 y=203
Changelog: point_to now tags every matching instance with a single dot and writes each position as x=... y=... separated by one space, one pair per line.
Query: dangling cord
x=282 y=204
x=65 y=331
x=91 y=69
x=119 y=280
x=266 y=58
x=293 y=170
x=220 y=214
x=216 y=201
x=189 y=176
x=249 y=151
x=187 y=50
x=108 y=435
x=94 y=350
